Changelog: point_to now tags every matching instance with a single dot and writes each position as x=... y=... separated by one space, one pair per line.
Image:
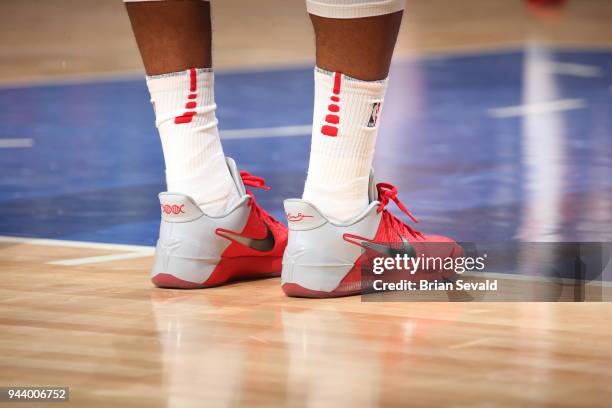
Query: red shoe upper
x=261 y=228
x=393 y=232
x=390 y=225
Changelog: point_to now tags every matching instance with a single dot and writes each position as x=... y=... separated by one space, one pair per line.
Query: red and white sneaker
x=324 y=258
x=195 y=250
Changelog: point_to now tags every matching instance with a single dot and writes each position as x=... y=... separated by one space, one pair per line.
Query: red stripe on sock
x=337 y=80
x=193 y=79
x=335 y=99
x=184 y=118
x=334 y=119
x=329 y=131
x=187 y=117
x=333 y=108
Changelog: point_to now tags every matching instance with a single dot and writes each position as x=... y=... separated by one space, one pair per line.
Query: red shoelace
x=253 y=181
x=388 y=192
x=257 y=182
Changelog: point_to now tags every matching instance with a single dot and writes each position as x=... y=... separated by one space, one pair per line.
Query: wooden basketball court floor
x=77 y=309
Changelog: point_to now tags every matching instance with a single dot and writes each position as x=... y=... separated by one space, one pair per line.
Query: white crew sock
x=345 y=125
x=184 y=106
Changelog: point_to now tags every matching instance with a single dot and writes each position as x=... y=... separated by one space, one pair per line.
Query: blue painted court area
x=498 y=146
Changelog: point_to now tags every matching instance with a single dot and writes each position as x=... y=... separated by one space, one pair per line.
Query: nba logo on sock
x=374 y=113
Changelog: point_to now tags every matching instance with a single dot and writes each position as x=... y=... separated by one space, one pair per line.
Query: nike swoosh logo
x=265 y=244
x=390 y=251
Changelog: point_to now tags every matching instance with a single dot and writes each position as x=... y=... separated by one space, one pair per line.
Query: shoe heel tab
x=302 y=216
x=176 y=207
x=235 y=173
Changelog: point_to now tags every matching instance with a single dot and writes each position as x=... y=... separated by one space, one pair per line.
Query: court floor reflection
x=245 y=345
x=210 y=356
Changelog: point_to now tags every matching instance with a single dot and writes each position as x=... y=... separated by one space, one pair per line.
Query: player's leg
x=360 y=48
x=174 y=38
x=342 y=210
x=211 y=231
x=354 y=42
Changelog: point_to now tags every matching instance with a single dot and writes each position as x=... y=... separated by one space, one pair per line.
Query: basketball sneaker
x=324 y=258
x=196 y=250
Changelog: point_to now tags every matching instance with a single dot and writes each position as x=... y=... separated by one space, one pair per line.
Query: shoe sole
x=228 y=270
x=168 y=281
x=296 y=290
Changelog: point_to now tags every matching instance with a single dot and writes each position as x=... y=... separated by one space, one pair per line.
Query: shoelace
x=253 y=181
x=388 y=192
x=257 y=182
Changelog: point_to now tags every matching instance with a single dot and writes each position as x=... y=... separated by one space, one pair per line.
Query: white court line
x=249 y=133
x=537 y=108
x=73 y=244
x=103 y=258
x=567 y=68
x=253 y=133
x=15 y=143
x=136 y=251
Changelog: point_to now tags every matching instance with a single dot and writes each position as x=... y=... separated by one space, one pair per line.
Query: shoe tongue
x=372 y=191
x=235 y=173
